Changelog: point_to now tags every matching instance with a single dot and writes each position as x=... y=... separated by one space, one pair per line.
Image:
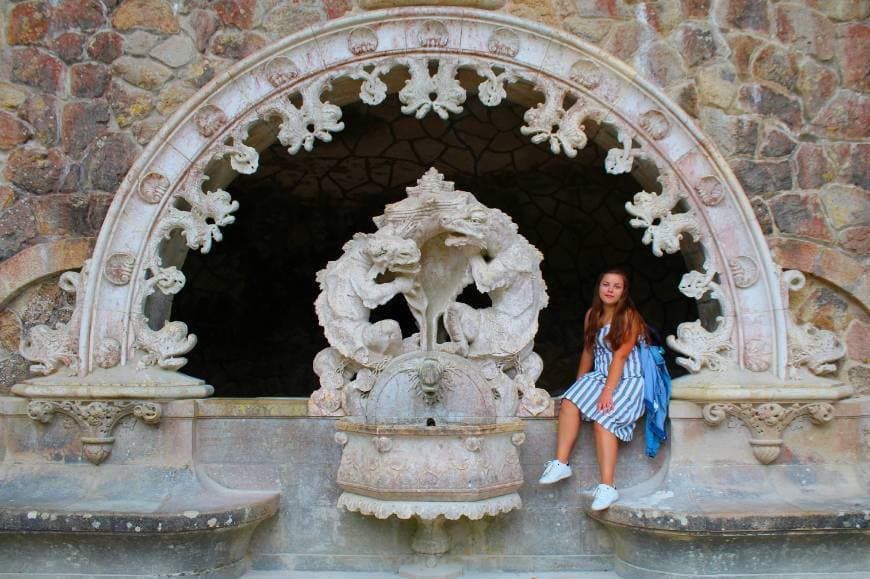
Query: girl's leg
x=569 y=428
x=607 y=448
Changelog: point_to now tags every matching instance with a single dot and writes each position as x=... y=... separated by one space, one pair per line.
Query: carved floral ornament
x=577 y=90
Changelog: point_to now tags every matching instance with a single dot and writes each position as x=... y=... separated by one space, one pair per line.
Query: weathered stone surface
x=33 y=67
x=236 y=45
x=592 y=29
x=41 y=112
x=28 y=22
x=734 y=135
x=173 y=96
x=816 y=84
x=17 y=227
x=686 y=96
x=859 y=377
x=10 y=331
x=337 y=8
x=145 y=130
x=597 y=8
x=743 y=48
x=60 y=214
x=763 y=99
x=7 y=197
x=81 y=123
x=141 y=72
x=36 y=170
x=12 y=132
x=805 y=30
x=696 y=8
x=800 y=215
x=109 y=160
x=762 y=214
x=147 y=14
x=777 y=144
x=661 y=64
x=286 y=19
x=624 y=40
x=139 y=43
x=846 y=206
x=853 y=51
x=776 y=65
x=856 y=240
x=745 y=14
x=84 y=14
x=203 y=70
x=859 y=164
x=175 y=51
x=697 y=43
x=98 y=206
x=825 y=308
x=717 y=86
x=238 y=13
x=129 y=104
x=764 y=177
x=662 y=16
x=846 y=116
x=858 y=341
x=69 y=46
x=813 y=168
x=106 y=47
x=841 y=9
x=11 y=97
x=89 y=79
x=203 y=24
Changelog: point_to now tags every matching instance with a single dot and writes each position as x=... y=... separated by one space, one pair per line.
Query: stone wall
x=779 y=86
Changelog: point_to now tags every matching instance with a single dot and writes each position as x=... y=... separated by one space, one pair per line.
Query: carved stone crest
x=504 y=42
x=656 y=124
x=433 y=34
x=119 y=268
x=281 y=70
x=153 y=187
x=745 y=271
x=710 y=190
x=586 y=72
x=362 y=40
x=209 y=120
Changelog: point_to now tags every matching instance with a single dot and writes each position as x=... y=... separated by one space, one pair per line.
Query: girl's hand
x=605 y=401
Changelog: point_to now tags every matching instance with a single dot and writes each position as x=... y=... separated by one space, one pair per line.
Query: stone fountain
x=431 y=424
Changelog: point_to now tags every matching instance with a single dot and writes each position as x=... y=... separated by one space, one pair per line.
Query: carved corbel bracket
x=766 y=422
x=96 y=419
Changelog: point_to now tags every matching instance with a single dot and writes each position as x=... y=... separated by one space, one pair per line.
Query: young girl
x=609 y=386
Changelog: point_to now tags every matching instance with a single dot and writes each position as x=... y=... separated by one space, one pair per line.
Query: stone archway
x=120 y=343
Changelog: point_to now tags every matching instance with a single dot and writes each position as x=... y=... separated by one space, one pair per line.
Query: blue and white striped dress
x=627 y=399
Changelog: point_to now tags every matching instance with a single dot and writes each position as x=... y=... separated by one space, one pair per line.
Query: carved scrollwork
x=710 y=190
x=300 y=127
x=165 y=346
x=440 y=93
x=373 y=90
x=119 y=268
x=756 y=357
x=153 y=187
x=96 y=420
x=664 y=229
x=621 y=161
x=766 y=422
x=550 y=122
x=53 y=348
x=491 y=91
x=656 y=124
x=744 y=270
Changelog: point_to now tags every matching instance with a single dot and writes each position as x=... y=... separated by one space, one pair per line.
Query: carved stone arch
x=172 y=189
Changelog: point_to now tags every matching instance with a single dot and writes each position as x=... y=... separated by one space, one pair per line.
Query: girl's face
x=611 y=288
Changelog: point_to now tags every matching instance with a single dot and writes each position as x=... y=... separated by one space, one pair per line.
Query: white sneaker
x=605 y=495
x=554 y=472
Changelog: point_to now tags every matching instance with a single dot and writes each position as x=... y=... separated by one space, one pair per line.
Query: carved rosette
x=96 y=420
x=362 y=41
x=281 y=70
x=119 y=268
x=153 y=187
x=656 y=124
x=209 y=120
x=586 y=73
x=766 y=422
x=504 y=42
x=744 y=270
x=710 y=190
x=433 y=34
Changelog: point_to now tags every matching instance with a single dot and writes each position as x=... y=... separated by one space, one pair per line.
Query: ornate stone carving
x=621 y=161
x=153 y=187
x=165 y=346
x=441 y=93
x=119 y=268
x=209 y=120
x=701 y=347
x=433 y=34
x=373 y=90
x=766 y=422
x=108 y=353
x=664 y=229
x=756 y=357
x=362 y=40
x=96 y=420
x=504 y=42
x=549 y=122
x=300 y=127
x=586 y=73
x=656 y=124
x=744 y=270
x=243 y=158
x=710 y=190
x=281 y=70
x=491 y=91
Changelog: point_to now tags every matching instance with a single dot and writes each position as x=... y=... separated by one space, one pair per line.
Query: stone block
x=762 y=214
x=129 y=104
x=108 y=160
x=841 y=10
x=661 y=64
x=41 y=112
x=764 y=177
x=766 y=100
x=805 y=30
x=84 y=14
x=175 y=51
x=661 y=15
x=776 y=143
x=36 y=170
x=203 y=24
x=236 y=45
x=285 y=19
x=745 y=14
x=141 y=72
x=816 y=84
x=853 y=56
x=173 y=96
x=597 y=8
x=846 y=206
x=800 y=215
x=856 y=240
x=146 y=14
x=139 y=43
x=106 y=47
x=35 y=68
x=696 y=8
x=81 y=123
x=98 y=206
x=7 y=197
x=858 y=341
x=825 y=309
x=686 y=96
x=11 y=97
x=17 y=227
x=859 y=165
x=812 y=167
x=776 y=65
x=61 y=214
x=591 y=29
x=337 y=8
x=12 y=132
x=69 y=46
x=27 y=22
x=237 y=13
x=846 y=116
x=717 y=86
x=698 y=43
x=89 y=79
x=624 y=40
x=743 y=48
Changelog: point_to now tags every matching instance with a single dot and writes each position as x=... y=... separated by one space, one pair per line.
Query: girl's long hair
x=625 y=315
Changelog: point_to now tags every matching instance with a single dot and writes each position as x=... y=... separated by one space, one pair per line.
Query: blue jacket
x=656 y=395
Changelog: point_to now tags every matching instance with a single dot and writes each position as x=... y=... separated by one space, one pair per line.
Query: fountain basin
x=449 y=470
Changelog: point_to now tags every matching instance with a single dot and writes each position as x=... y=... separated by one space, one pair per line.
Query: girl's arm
x=614 y=373
x=586 y=358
